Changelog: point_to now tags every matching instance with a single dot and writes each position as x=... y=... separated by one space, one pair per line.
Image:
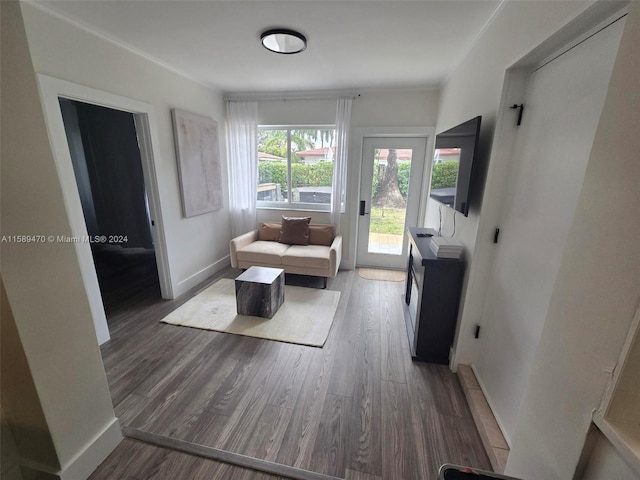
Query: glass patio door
x=390 y=193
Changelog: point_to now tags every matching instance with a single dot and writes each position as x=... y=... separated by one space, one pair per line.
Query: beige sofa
x=321 y=257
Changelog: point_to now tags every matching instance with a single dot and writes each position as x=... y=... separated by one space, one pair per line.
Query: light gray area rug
x=305 y=317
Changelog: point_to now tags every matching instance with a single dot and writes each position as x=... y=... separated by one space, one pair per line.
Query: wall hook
x=520 y=110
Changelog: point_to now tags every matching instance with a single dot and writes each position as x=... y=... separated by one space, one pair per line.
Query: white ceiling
x=363 y=44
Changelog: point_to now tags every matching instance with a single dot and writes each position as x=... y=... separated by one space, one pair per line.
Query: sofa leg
x=325 y=282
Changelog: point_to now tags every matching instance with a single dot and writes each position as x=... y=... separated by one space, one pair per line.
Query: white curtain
x=242 y=141
x=343 y=122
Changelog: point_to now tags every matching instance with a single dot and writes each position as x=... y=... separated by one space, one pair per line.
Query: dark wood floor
x=358 y=408
x=128 y=278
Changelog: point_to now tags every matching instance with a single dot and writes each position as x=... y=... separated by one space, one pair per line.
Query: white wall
x=197 y=246
x=23 y=419
x=297 y=112
x=372 y=108
x=597 y=290
x=625 y=403
x=396 y=108
x=43 y=280
x=475 y=88
x=605 y=463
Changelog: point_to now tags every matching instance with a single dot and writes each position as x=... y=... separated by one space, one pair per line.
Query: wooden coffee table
x=260 y=291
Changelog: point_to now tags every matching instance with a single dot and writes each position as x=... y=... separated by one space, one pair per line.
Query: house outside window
x=295 y=167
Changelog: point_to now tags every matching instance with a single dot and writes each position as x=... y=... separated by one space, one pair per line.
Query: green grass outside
x=387 y=220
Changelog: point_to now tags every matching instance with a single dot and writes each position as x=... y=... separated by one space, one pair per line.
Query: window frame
x=289 y=204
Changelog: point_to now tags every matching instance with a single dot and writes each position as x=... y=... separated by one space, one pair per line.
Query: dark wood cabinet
x=432 y=297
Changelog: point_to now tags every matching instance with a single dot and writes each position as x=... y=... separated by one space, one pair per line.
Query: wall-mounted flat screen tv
x=451 y=171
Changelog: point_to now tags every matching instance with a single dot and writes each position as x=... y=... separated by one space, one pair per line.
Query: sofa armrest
x=241 y=242
x=335 y=255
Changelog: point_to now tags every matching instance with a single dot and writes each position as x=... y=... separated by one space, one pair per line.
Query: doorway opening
x=107 y=164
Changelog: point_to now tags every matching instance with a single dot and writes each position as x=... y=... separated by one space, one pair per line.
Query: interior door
x=390 y=192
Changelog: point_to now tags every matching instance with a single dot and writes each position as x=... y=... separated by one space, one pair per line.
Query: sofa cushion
x=295 y=230
x=262 y=252
x=321 y=235
x=269 y=232
x=315 y=256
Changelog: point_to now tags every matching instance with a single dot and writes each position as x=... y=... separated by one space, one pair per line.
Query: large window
x=295 y=166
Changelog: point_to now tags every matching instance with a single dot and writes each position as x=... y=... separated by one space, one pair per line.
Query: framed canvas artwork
x=198 y=154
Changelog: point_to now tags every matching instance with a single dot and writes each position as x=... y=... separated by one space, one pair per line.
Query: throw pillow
x=295 y=230
x=269 y=232
x=321 y=235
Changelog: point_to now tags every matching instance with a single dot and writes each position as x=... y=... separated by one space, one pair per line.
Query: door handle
x=363 y=204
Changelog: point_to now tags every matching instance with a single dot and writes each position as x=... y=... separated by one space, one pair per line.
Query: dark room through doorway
x=105 y=154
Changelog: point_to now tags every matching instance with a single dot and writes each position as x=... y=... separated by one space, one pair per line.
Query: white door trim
x=51 y=89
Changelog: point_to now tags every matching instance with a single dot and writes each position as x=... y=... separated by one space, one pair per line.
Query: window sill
x=624 y=436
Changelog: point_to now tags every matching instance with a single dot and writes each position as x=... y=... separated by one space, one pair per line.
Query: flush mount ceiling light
x=281 y=40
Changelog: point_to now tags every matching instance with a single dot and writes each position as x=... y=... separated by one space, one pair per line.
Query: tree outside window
x=295 y=166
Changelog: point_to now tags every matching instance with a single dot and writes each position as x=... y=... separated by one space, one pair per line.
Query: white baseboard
x=491 y=405
x=94 y=453
x=490 y=433
x=184 y=285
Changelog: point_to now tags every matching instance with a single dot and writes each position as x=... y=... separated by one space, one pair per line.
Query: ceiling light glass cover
x=280 y=40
